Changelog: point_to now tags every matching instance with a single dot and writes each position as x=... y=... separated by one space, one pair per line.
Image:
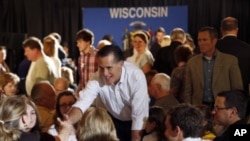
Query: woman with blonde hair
x=96 y=125
x=19 y=121
x=11 y=111
x=50 y=47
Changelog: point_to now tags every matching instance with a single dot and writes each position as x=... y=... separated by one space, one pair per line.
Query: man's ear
x=234 y=111
x=178 y=131
x=121 y=63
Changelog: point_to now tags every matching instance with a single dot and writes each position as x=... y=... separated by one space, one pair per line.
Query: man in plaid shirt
x=87 y=61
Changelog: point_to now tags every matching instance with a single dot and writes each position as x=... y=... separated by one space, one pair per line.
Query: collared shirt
x=126 y=100
x=229 y=35
x=192 y=139
x=87 y=65
x=41 y=69
x=208 y=65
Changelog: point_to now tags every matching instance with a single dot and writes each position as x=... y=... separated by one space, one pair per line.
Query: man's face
x=206 y=43
x=31 y=54
x=221 y=112
x=110 y=69
x=83 y=45
x=159 y=36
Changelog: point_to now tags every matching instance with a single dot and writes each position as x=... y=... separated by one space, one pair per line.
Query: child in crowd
x=8 y=84
x=154 y=130
x=19 y=121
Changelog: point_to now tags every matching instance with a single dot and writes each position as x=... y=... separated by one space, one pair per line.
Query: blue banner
x=121 y=21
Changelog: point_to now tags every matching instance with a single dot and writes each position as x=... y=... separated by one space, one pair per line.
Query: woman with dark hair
x=64 y=102
x=141 y=57
x=182 y=54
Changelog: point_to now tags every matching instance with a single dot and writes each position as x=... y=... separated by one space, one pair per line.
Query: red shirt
x=87 y=66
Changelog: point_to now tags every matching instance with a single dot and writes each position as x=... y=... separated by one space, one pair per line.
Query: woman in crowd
x=50 y=45
x=182 y=54
x=8 y=84
x=96 y=125
x=64 y=102
x=141 y=57
x=69 y=75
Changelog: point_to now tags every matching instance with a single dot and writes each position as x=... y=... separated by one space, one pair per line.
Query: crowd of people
x=163 y=91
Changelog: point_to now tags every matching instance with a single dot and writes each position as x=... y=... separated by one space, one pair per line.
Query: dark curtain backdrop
x=41 y=17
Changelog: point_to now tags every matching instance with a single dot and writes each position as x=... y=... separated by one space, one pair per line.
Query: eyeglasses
x=220 y=108
x=65 y=105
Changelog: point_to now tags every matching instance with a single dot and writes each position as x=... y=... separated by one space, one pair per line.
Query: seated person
x=96 y=125
x=19 y=121
x=229 y=111
x=44 y=96
x=61 y=84
x=8 y=84
x=208 y=133
x=64 y=102
x=154 y=128
x=69 y=75
x=149 y=75
x=159 y=90
x=184 y=122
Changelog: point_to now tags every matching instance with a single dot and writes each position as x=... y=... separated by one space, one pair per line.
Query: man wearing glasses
x=229 y=111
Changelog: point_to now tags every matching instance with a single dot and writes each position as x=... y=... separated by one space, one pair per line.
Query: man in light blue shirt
x=122 y=88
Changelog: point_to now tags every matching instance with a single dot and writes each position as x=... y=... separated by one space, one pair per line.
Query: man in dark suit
x=156 y=46
x=231 y=45
x=164 y=61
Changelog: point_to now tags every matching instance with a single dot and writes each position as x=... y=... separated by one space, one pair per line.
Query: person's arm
x=136 y=135
x=86 y=98
x=140 y=99
x=66 y=129
x=75 y=114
